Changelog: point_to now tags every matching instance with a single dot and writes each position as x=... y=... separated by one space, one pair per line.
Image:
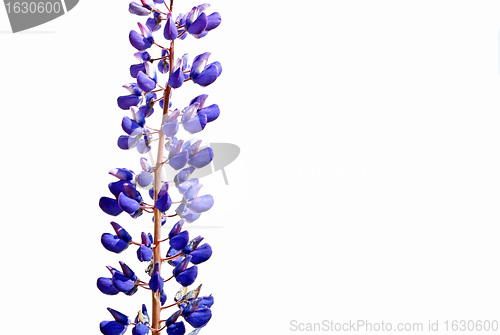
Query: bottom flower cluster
x=193 y=309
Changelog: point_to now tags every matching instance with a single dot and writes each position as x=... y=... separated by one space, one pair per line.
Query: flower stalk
x=184 y=156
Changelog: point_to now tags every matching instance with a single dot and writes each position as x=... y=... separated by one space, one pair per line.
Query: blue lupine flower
x=147 y=108
x=184 y=156
x=105 y=285
x=177 y=77
x=141 y=41
x=146 y=80
x=198 y=23
x=119 y=281
x=156 y=283
x=178 y=239
x=203 y=74
x=164 y=201
x=141 y=322
x=199 y=253
x=183 y=175
x=184 y=275
x=196 y=313
x=116 y=243
x=154 y=23
x=145 y=177
x=127 y=198
x=117 y=327
x=201 y=158
x=125 y=281
x=163 y=64
x=145 y=251
x=139 y=9
x=146 y=83
x=176 y=328
x=170 y=30
x=135 y=98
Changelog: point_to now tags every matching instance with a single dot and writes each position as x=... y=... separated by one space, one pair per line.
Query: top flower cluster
x=196 y=22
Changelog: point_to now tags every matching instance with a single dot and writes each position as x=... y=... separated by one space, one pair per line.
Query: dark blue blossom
x=127 y=198
x=142 y=9
x=197 y=312
x=184 y=275
x=141 y=322
x=170 y=30
x=154 y=23
x=198 y=23
x=145 y=251
x=117 y=327
x=143 y=40
x=116 y=243
x=156 y=283
x=120 y=281
x=203 y=74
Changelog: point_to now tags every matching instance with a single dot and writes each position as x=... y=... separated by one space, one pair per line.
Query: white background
x=367 y=186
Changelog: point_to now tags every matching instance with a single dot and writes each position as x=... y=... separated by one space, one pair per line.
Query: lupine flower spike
x=155 y=76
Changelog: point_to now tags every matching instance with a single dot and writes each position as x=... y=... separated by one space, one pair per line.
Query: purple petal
x=188 y=276
x=199 y=24
x=209 y=75
x=201 y=254
x=176 y=79
x=179 y=161
x=192 y=192
x=176 y=229
x=163 y=203
x=170 y=31
x=127 y=142
x=170 y=128
x=136 y=68
x=144 y=253
x=177 y=328
x=127 y=101
x=214 y=20
x=138 y=41
x=183 y=187
x=122 y=174
x=179 y=241
x=112 y=328
x=200 y=100
x=129 y=125
x=113 y=243
x=127 y=271
x=137 y=9
x=183 y=175
x=199 y=64
x=144 y=179
x=199 y=317
x=121 y=232
x=145 y=83
x=128 y=204
x=196 y=124
x=212 y=112
x=202 y=158
x=110 y=206
x=201 y=204
x=105 y=285
x=119 y=317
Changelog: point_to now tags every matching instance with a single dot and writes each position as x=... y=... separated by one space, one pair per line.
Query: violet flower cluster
x=180 y=200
